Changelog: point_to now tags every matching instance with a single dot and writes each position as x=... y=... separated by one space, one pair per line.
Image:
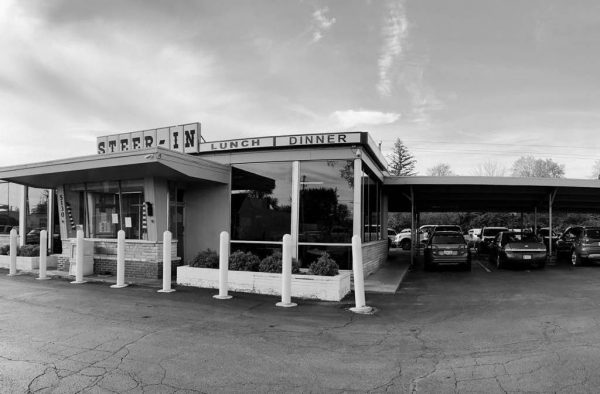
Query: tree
x=402 y=162
x=529 y=166
x=490 y=168
x=442 y=169
x=596 y=169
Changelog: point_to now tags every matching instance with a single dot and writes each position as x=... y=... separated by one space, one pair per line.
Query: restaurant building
x=320 y=188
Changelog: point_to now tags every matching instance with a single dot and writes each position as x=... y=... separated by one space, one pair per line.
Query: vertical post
x=23 y=214
x=79 y=258
x=413 y=231
x=50 y=232
x=359 y=281
x=43 y=253
x=13 y=252
x=166 y=263
x=295 y=220
x=223 y=266
x=535 y=220
x=550 y=202
x=357 y=224
x=120 y=261
x=286 y=273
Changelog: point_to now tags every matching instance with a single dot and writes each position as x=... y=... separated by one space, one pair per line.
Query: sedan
x=447 y=248
x=523 y=250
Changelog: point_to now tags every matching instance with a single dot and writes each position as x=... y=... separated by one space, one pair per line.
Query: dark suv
x=581 y=243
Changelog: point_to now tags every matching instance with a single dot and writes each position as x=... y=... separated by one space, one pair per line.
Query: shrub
x=5 y=250
x=240 y=261
x=206 y=259
x=273 y=263
x=324 y=266
x=29 y=251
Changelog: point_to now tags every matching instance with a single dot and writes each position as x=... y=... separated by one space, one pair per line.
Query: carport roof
x=491 y=194
x=137 y=164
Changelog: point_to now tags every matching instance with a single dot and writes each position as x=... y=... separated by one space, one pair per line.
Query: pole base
x=78 y=282
x=286 y=304
x=363 y=310
x=165 y=290
x=12 y=274
x=220 y=297
x=119 y=286
x=46 y=278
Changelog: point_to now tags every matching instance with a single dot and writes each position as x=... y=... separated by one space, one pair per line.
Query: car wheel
x=405 y=244
x=575 y=259
x=499 y=262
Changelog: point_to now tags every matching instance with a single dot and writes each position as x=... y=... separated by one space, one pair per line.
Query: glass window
x=341 y=254
x=36 y=214
x=261 y=199
x=103 y=208
x=261 y=250
x=326 y=201
x=371 y=207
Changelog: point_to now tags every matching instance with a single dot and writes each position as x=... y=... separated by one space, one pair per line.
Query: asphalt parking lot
x=442 y=332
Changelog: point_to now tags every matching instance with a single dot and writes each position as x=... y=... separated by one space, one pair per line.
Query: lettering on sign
x=181 y=138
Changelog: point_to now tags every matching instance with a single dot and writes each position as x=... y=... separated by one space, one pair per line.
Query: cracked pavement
x=508 y=331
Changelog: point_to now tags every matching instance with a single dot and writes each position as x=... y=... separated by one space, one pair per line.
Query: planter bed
x=28 y=263
x=328 y=288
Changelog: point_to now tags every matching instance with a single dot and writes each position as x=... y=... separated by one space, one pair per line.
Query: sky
x=459 y=82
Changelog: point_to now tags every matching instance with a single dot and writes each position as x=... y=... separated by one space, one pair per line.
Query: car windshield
x=530 y=238
x=492 y=232
x=593 y=233
x=448 y=239
x=448 y=228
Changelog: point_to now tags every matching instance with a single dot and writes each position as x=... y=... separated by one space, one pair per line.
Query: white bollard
x=79 y=259
x=223 y=266
x=120 y=261
x=286 y=273
x=43 y=253
x=166 y=263
x=359 y=280
x=13 y=252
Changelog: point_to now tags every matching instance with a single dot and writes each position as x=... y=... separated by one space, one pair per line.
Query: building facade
x=320 y=188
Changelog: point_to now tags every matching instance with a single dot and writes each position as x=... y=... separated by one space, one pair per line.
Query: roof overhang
x=154 y=162
x=491 y=194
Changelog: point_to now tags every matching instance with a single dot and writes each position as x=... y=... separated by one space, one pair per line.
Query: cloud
x=395 y=32
x=321 y=23
x=351 y=118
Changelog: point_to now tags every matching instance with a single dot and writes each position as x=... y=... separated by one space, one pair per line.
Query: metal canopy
x=155 y=162
x=491 y=194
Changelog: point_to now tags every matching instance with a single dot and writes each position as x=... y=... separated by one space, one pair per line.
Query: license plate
x=449 y=252
x=526 y=257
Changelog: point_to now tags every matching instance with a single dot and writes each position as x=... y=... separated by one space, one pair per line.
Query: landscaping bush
x=29 y=251
x=240 y=261
x=324 y=266
x=5 y=250
x=273 y=263
x=205 y=259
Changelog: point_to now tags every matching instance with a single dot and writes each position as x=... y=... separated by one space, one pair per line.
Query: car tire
x=575 y=259
x=405 y=244
x=499 y=262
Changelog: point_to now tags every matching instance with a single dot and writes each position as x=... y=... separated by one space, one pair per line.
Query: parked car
x=519 y=249
x=472 y=236
x=391 y=234
x=581 y=243
x=487 y=236
x=425 y=232
x=447 y=227
x=544 y=234
x=447 y=248
x=403 y=239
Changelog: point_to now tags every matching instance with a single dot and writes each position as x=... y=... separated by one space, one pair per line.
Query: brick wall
x=374 y=255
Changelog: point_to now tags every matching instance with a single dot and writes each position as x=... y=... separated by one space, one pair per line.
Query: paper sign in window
x=115 y=218
x=128 y=221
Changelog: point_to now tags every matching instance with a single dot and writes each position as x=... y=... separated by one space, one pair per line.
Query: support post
x=43 y=252
x=79 y=259
x=535 y=221
x=550 y=203
x=286 y=273
x=359 y=280
x=166 y=263
x=223 y=266
x=413 y=231
x=120 y=261
x=13 y=253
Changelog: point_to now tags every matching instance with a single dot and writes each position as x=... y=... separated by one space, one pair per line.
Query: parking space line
x=483 y=266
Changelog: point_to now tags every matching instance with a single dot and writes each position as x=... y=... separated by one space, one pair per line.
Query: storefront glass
x=261 y=199
x=371 y=207
x=326 y=201
x=108 y=207
x=9 y=207
x=36 y=218
x=310 y=253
